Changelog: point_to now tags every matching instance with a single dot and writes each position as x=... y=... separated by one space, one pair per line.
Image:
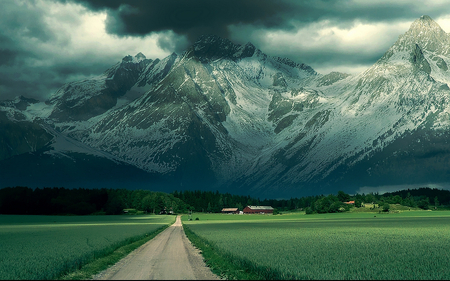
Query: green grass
x=393 y=208
x=88 y=270
x=406 y=245
x=48 y=247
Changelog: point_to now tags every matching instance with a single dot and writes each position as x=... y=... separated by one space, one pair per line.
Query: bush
x=386 y=207
x=308 y=210
x=423 y=204
x=197 y=219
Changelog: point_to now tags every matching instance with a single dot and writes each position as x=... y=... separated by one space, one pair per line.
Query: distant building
x=350 y=202
x=230 y=211
x=258 y=210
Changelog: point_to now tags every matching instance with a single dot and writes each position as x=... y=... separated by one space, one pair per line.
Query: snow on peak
x=136 y=59
x=425 y=25
x=139 y=57
x=427 y=34
x=424 y=22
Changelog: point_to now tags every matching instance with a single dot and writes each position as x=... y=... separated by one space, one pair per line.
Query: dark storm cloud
x=189 y=18
x=36 y=58
x=197 y=17
x=31 y=60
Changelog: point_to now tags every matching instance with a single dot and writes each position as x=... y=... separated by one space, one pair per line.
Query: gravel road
x=168 y=256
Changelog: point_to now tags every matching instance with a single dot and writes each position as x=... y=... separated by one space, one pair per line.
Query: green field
x=407 y=245
x=44 y=247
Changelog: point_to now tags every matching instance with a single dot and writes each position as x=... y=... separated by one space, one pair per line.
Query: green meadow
x=45 y=247
x=406 y=245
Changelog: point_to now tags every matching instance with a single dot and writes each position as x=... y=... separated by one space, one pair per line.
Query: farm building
x=258 y=210
x=350 y=202
x=230 y=211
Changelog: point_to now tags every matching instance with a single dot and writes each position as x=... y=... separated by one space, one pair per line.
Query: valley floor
x=403 y=245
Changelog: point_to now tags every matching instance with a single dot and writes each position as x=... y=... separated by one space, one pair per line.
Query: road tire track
x=168 y=256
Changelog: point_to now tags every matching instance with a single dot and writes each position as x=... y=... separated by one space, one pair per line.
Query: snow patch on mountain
x=252 y=120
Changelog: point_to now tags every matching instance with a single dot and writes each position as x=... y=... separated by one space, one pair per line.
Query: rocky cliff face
x=229 y=117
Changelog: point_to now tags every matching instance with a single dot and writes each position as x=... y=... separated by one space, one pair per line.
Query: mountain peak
x=139 y=57
x=212 y=47
x=209 y=39
x=425 y=24
x=136 y=59
x=426 y=34
x=426 y=18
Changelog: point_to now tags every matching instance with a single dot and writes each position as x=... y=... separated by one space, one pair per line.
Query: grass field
x=406 y=245
x=44 y=247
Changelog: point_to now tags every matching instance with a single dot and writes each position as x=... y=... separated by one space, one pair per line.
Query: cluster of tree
x=213 y=202
x=423 y=198
x=58 y=201
x=53 y=201
x=329 y=204
x=208 y=201
x=417 y=198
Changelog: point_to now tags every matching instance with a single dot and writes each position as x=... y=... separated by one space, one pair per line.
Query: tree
x=336 y=207
x=436 y=201
x=397 y=199
x=342 y=196
x=159 y=203
x=148 y=203
x=309 y=210
x=115 y=205
x=370 y=198
x=323 y=204
x=386 y=207
x=209 y=208
x=423 y=203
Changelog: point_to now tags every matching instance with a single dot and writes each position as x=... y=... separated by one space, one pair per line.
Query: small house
x=350 y=202
x=258 y=210
x=230 y=211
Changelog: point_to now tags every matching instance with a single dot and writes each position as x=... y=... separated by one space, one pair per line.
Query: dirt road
x=170 y=255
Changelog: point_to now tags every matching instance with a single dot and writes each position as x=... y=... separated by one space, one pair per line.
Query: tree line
x=208 y=201
x=81 y=201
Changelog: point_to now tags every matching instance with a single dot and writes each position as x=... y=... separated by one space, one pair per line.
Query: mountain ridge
x=229 y=117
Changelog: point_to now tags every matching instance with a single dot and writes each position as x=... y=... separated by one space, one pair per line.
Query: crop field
x=43 y=247
x=408 y=245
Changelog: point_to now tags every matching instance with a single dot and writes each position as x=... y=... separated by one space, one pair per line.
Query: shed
x=230 y=211
x=258 y=210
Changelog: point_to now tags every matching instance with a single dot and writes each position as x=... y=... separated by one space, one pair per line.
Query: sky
x=46 y=43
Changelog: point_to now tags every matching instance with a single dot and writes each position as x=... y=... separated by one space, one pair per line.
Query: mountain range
x=227 y=117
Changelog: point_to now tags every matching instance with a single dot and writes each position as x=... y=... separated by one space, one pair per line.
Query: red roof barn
x=258 y=210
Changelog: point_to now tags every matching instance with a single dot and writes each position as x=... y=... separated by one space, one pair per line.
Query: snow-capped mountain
x=229 y=117
x=366 y=130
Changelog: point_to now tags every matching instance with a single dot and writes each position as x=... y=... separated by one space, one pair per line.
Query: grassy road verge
x=94 y=267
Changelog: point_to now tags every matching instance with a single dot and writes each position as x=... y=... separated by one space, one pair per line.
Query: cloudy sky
x=46 y=43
